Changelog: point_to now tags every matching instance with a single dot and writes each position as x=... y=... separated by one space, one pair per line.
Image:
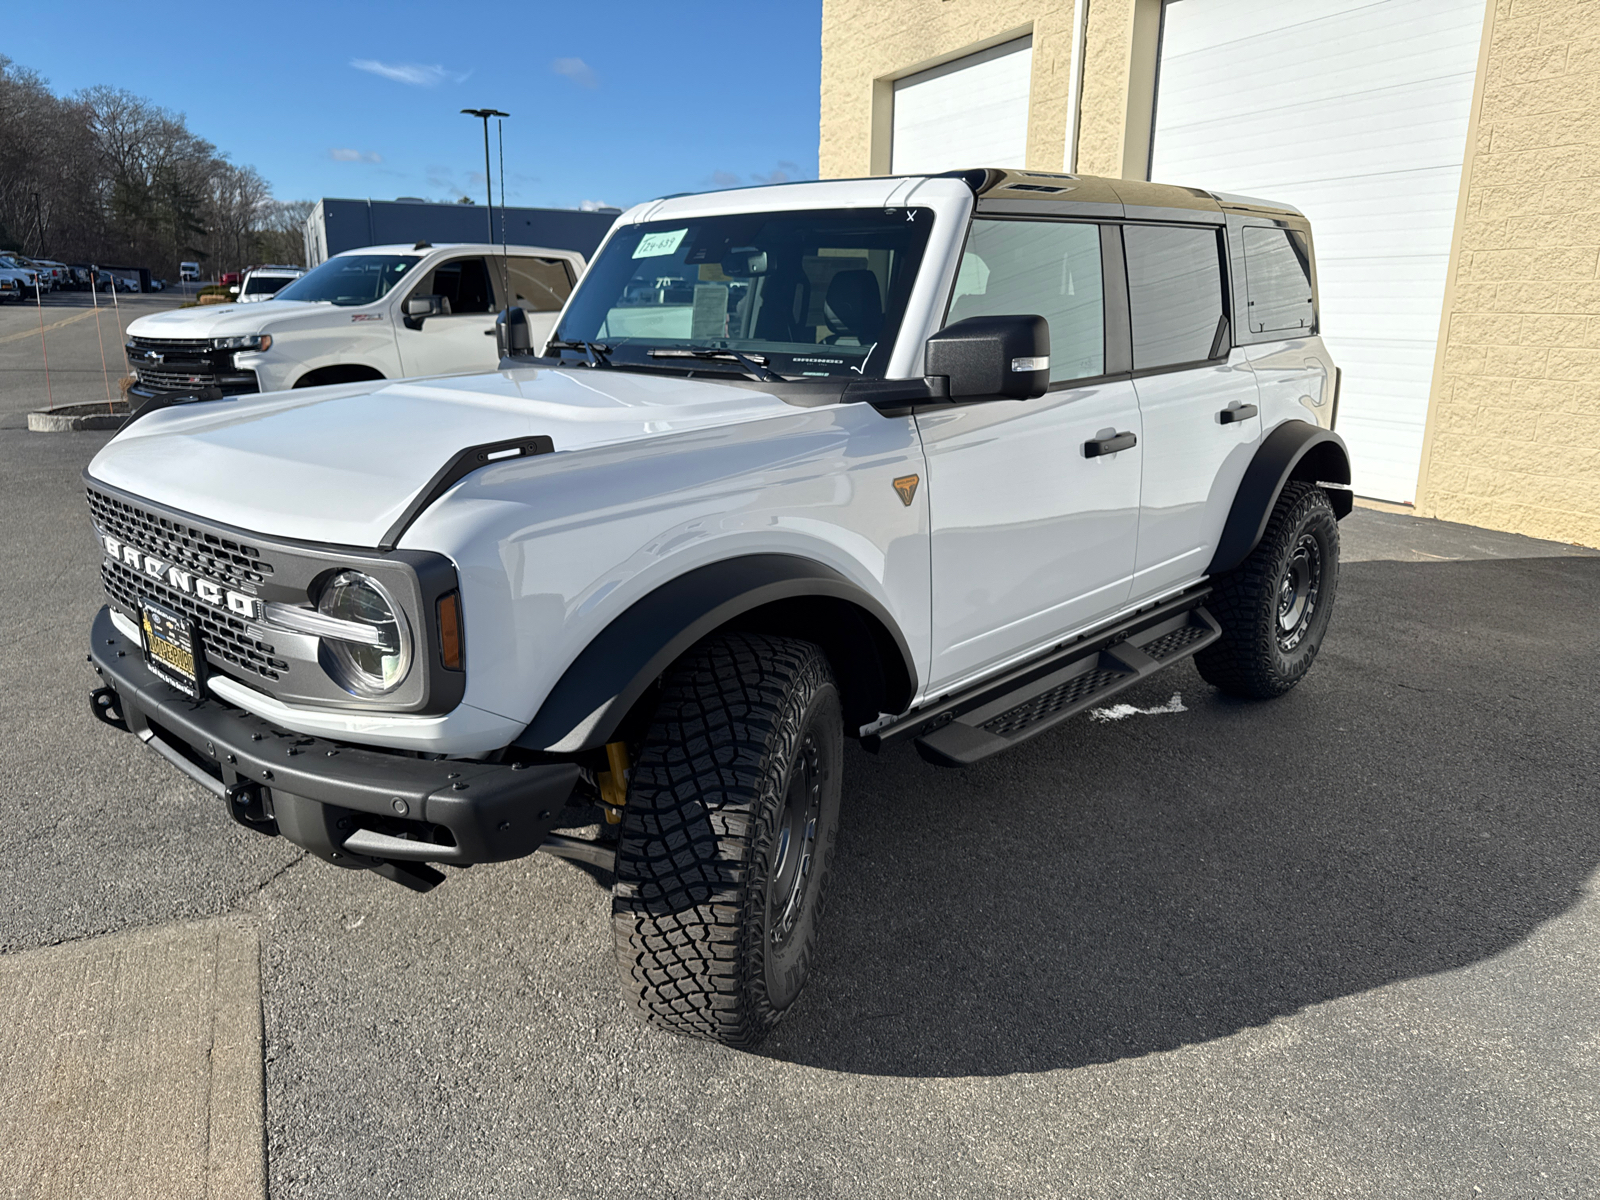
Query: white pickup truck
x=381 y=312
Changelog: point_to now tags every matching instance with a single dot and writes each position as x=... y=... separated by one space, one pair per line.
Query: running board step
x=1069 y=685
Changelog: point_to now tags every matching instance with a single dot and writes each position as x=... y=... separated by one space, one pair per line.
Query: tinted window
x=1175 y=292
x=1277 y=270
x=349 y=279
x=539 y=284
x=1048 y=268
x=265 y=284
x=464 y=282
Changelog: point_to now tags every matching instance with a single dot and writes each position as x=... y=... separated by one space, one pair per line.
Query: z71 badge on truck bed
x=943 y=459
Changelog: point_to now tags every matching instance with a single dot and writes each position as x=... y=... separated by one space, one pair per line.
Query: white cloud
x=339 y=154
x=593 y=205
x=416 y=74
x=785 y=172
x=575 y=69
x=725 y=179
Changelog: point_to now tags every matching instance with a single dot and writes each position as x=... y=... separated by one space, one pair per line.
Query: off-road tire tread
x=704 y=792
x=1244 y=661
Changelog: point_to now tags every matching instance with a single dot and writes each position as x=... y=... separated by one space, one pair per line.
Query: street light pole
x=485 y=114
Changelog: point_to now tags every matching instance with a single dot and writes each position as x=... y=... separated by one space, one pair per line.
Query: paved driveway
x=1341 y=944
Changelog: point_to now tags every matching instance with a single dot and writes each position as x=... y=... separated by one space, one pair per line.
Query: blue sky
x=610 y=102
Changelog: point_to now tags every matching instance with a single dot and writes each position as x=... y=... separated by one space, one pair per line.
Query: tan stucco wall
x=1513 y=436
x=866 y=44
x=1119 y=68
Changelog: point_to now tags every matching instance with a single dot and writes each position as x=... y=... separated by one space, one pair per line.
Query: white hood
x=221 y=320
x=339 y=464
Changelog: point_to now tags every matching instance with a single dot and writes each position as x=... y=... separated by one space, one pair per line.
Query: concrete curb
x=72 y=417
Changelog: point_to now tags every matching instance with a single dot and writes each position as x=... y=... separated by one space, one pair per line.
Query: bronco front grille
x=236 y=563
x=222 y=637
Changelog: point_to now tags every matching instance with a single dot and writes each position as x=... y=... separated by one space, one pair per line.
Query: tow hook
x=107 y=706
x=249 y=807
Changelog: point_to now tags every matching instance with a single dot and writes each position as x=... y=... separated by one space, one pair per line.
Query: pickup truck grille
x=221 y=636
x=187 y=365
x=175 y=345
x=225 y=561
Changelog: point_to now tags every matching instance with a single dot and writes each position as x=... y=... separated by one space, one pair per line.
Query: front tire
x=727 y=838
x=1274 y=608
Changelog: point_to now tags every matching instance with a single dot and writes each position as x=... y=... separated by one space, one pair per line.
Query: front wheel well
x=338 y=373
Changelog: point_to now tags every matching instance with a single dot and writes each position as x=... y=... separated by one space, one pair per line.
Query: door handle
x=1243 y=413
x=1095 y=447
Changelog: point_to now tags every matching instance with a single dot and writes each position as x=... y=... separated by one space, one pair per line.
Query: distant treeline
x=105 y=176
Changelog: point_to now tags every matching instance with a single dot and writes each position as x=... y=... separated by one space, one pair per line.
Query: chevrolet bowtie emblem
x=906 y=485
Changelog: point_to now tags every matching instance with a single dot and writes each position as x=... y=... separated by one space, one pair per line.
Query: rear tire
x=1274 y=608
x=727 y=838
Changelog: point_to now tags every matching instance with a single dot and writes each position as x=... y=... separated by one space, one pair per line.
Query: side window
x=539 y=284
x=1174 y=291
x=1277 y=267
x=1048 y=268
x=464 y=282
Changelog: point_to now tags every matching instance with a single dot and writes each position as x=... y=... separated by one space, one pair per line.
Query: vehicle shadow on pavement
x=1424 y=800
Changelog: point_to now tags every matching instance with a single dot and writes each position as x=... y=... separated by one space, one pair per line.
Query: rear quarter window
x=1277 y=264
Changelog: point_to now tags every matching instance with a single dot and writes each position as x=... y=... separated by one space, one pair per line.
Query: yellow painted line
x=34 y=332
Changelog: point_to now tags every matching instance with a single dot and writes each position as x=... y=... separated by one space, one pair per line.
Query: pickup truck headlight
x=253 y=341
x=361 y=667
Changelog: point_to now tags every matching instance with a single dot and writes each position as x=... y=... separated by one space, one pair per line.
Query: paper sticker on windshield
x=654 y=245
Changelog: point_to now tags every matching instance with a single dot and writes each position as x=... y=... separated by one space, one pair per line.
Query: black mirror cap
x=511 y=333
x=1002 y=358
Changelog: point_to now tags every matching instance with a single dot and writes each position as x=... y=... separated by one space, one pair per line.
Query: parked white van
x=381 y=312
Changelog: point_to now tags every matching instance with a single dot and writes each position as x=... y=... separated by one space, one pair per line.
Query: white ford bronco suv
x=372 y=314
x=942 y=459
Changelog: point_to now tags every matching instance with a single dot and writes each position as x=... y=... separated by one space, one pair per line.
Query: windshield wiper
x=755 y=364
x=596 y=351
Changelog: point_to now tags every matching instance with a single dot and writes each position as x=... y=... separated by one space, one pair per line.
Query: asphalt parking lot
x=1340 y=944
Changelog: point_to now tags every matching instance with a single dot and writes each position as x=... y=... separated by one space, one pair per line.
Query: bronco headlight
x=253 y=341
x=376 y=664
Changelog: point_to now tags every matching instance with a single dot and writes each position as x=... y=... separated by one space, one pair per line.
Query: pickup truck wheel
x=727 y=838
x=1275 y=606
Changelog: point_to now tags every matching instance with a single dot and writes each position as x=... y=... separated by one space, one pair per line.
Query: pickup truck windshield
x=807 y=293
x=350 y=279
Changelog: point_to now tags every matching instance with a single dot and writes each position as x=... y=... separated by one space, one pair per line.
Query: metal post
x=38 y=298
x=94 y=295
x=488 y=183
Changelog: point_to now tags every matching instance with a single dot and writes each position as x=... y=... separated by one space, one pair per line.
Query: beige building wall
x=868 y=44
x=1513 y=436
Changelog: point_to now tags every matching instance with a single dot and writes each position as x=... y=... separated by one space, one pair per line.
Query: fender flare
x=619 y=665
x=1294 y=450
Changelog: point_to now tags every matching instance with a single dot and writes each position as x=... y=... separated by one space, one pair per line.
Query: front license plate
x=170 y=647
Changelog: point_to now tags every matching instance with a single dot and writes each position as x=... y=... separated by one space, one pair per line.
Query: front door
x=1034 y=532
x=461 y=340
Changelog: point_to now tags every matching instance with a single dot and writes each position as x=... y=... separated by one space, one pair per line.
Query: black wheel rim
x=1297 y=592
x=796 y=841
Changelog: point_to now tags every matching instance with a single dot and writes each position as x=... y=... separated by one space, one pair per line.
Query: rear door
x=1197 y=399
x=1033 y=537
x=460 y=340
x=539 y=286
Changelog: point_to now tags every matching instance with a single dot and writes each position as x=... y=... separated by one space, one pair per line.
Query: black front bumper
x=353 y=806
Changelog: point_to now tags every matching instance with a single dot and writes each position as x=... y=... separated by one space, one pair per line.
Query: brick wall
x=866 y=43
x=1514 y=422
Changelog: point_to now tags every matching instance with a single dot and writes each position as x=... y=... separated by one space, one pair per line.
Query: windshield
x=265 y=284
x=811 y=293
x=350 y=279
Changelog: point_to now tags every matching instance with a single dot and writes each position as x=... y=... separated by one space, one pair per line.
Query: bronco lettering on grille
x=184 y=581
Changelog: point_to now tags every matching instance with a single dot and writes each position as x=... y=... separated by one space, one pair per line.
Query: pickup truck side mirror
x=992 y=358
x=419 y=308
x=234 y=290
x=511 y=334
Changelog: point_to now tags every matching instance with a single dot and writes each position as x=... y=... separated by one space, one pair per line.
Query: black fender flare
x=1294 y=450
x=606 y=680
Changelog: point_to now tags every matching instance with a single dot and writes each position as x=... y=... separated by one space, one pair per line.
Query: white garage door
x=972 y=112
x=1355 y=113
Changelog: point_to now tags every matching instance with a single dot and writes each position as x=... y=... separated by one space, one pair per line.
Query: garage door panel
x=1356 y=114
x=971 y=112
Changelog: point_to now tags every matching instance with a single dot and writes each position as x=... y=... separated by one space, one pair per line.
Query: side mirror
x=419 y=308
x=511 y=334
x=992 y=358
x=234 y=290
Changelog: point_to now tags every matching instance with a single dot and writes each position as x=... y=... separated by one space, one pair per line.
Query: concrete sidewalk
x=130 y=1065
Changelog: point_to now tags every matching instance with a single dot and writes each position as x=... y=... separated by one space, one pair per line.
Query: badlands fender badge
x=906 y=485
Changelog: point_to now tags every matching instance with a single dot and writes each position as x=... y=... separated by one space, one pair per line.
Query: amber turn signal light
x=450 y=630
